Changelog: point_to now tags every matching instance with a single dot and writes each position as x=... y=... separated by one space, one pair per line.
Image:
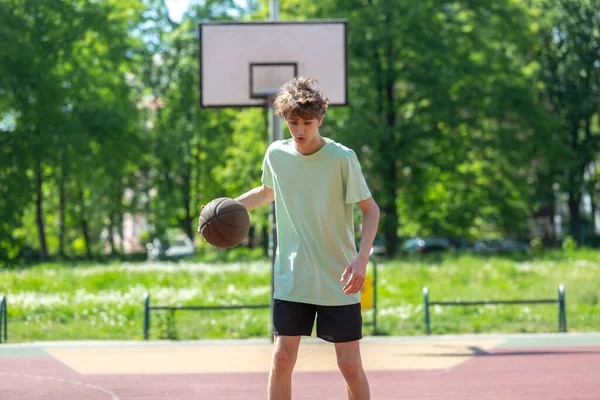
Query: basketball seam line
x=231 y=226
x=220 y=204
x=204 y=229
x=220 y=234
x=220 y=215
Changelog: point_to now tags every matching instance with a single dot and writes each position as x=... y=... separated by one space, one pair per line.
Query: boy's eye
x=296 y=122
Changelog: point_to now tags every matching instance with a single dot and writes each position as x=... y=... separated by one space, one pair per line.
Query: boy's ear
x=321 y=120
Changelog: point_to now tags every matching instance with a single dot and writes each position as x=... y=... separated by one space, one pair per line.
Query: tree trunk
x=390 y=226
x=114 y=216
x=84 y=227
x=593 y=196
x=187 y=220
x=117 y=219
x=111 y=235
x=574 y=215
x=576 y=177
x=186 y=188
x=251 y=236
x=388 y=207
x=593 y=214
x=61 y=209
x=121 y=230
x=551 y=217
x=40 y=212
x=386 y=167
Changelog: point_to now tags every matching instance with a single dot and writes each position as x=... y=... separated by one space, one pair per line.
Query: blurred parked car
x=176 y=248
x=378 y=248
x=499 y=246
x=420 y=245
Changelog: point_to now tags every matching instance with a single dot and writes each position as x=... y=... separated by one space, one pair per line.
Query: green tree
x=443 y=107
x=69 y=96
x=570 y=59
x=187 y=143
x=41 y=36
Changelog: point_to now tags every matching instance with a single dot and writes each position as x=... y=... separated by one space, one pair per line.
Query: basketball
x=224 y=222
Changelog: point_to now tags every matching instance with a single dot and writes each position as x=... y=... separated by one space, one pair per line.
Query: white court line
x=113 y=396
x=262 y=341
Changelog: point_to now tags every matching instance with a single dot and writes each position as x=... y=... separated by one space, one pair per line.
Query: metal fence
x=560 y=300
x=148 y=308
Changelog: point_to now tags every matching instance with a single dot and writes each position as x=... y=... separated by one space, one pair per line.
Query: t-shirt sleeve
x=267 y=173
x=356 y=186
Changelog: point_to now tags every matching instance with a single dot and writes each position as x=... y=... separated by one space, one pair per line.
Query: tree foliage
x=467 y=117
x=569 y=53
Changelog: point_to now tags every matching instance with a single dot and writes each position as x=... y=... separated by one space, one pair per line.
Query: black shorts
x=336 y=324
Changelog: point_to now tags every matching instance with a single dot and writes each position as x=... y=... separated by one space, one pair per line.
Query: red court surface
x=492 y=367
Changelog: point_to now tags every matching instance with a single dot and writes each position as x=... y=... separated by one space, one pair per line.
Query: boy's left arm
x=357 y=269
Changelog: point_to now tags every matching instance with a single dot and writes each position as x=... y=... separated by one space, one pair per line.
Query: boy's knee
x=349 y=361
x=283 y=359
x=350 y=367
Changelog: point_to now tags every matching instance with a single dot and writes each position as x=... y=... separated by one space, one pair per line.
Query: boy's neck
x=319 y=144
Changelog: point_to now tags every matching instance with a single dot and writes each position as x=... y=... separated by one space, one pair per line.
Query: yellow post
x=366 y=294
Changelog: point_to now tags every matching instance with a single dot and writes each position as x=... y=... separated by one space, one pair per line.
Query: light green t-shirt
x=314 y=201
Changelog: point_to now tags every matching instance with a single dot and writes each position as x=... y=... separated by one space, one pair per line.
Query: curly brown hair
x=301 y=97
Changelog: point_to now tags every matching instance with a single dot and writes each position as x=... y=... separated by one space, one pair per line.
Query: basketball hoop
x=242 y=63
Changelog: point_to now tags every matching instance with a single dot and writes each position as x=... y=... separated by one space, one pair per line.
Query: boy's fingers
x=345 y=274
x=359 y=286
x=349 y=284
x=354 y=284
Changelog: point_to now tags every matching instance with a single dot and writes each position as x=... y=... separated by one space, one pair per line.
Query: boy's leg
x=291 y=321
x=285 y=353
x=350 y=364
x=342 y=325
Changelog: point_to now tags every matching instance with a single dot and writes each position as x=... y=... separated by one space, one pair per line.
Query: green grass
x=476 y=278
x=66 y=302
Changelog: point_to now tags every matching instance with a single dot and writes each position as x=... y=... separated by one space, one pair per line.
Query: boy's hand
x=356 y=270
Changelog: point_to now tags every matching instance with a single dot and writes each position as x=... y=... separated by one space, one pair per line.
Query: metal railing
x=560 y=300
x=3 y=319
x=148 y=307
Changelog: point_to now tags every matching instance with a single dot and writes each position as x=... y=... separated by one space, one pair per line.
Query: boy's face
x=305 y=132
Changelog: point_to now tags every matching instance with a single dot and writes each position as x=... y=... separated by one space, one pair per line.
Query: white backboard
x=240 y=62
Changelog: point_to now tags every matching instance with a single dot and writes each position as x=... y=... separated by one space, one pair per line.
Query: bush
x=237 y=254
x=536 y=243
x=569 y=243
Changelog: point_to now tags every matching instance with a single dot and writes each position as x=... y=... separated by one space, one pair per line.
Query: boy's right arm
x=257 y=197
